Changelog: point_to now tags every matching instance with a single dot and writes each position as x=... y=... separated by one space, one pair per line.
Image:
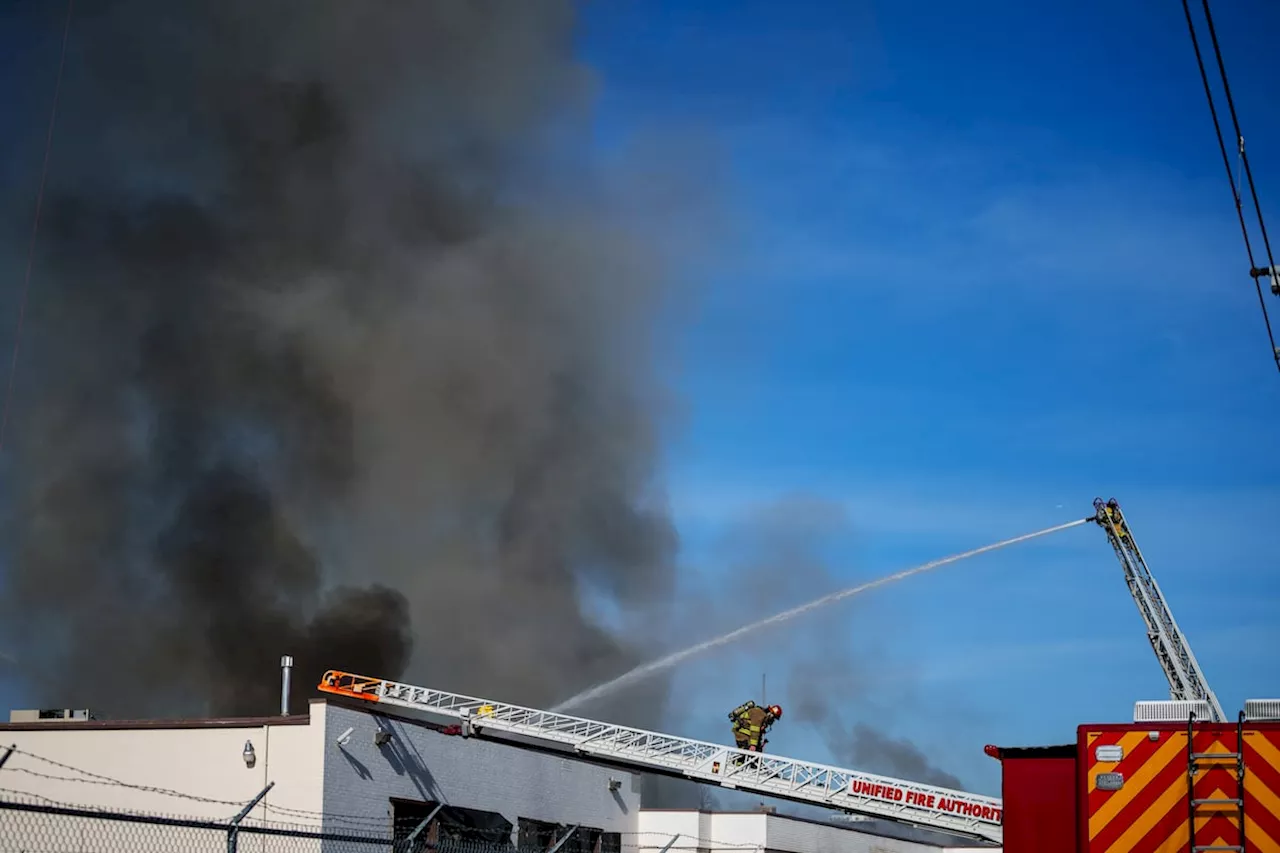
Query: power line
x=35 y=228
x=1255 y=273
x=1235 y=121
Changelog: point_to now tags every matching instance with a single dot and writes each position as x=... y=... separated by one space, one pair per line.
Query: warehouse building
x=342 y=768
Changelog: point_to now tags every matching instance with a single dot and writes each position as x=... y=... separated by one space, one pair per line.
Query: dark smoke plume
x=777 y=561
x=858 y=744
x=336 y=349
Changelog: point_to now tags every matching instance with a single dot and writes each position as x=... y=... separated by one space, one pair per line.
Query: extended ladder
x=1199 y=764
x=1186 y=680
x=926 y=806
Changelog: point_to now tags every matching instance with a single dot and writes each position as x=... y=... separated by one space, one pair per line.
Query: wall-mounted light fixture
x=381 y=737
x=250 y=757
x=615 y=784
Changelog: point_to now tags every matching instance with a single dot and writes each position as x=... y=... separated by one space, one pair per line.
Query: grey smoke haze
x=336 y=348
x=779 y=557
x=854 y=743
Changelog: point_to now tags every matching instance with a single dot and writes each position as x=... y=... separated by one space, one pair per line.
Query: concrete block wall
x=422 y=764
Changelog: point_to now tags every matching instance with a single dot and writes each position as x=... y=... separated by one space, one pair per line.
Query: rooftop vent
x=1262 y=709
x=1171 y=711
x=50 y=715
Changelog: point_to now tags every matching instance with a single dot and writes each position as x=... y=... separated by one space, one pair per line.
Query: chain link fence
x=38 y=828
x=29 y=827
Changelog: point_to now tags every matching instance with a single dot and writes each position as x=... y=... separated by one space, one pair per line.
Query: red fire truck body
x=1141 y=787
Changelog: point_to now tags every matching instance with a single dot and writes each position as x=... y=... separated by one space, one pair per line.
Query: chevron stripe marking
x=1136 y=836
x=1105 y=806
x=1261 y=782
x=1170 y=834
x=1167 y=769
x=1153 y=817
x=1137 y=749
x=1258 y=839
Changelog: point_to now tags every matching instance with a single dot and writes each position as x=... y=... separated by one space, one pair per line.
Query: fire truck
x=1180 y=778
x=1151 y=786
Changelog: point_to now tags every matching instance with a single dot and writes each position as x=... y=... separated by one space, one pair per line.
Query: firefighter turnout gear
x=750 y=722
x=1109 y=514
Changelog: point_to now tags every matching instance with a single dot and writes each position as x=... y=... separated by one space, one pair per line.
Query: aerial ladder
x=1186 y=680
x=926 y=806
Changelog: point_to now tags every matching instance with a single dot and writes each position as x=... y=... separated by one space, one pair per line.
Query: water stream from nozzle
x=645 y=670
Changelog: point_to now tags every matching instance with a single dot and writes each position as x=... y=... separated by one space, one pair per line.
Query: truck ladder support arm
x=1186 y=680
x=927 y=806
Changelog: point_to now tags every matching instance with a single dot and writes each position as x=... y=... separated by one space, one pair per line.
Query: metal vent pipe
x=286 y=671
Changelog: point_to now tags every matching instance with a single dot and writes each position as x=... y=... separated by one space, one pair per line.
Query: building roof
x=1067 y=750
x=54 y=725
x=113 y=725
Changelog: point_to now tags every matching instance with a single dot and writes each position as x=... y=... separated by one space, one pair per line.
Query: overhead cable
x=35 y=228
x=1257 y=273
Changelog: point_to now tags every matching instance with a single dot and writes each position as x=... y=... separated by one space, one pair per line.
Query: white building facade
x=667 y=831
x=346 y=770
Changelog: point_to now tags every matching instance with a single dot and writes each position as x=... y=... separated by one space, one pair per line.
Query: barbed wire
x=40 y=826
x=42 y=806
x=642 y=840
x=98 y=778
x=92 y=778
x=21 y=797
x=382 y=823
x=15 y=795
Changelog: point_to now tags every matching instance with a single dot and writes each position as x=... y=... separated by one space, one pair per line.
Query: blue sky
x=984 y=267
x=981 y=267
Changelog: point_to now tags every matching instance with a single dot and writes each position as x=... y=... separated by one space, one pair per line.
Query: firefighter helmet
x=776 y=711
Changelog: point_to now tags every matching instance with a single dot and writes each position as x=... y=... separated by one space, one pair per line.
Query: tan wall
x=200 y=763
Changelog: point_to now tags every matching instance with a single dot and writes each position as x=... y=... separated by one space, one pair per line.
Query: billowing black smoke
x=236 y=574
x=329 y=353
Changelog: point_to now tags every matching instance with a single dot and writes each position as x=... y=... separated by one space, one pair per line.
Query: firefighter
x=1113 y=512
x=750 y=722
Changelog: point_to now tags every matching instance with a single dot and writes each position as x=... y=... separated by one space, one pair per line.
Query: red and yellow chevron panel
x=1262 y=787
x=1140 y=803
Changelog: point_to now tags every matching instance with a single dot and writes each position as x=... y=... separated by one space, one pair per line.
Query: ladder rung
x=1235 y=847
x=1231 y=802
x=1197 y=756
